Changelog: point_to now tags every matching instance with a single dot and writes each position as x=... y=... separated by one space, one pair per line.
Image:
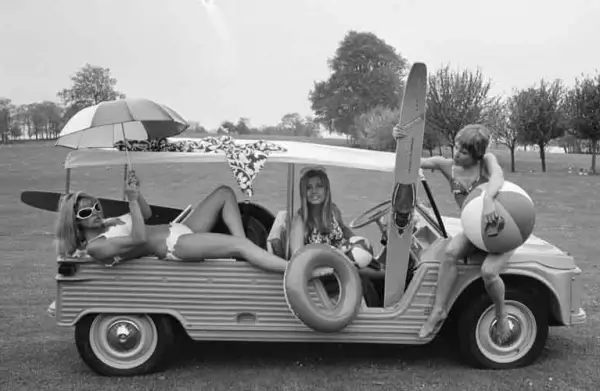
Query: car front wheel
x=124 y=344
x=528 y=320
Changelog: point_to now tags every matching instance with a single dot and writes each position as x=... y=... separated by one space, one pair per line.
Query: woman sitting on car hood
x=81 y=226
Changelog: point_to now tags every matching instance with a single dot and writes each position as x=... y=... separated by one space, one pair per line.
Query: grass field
x=37 y=355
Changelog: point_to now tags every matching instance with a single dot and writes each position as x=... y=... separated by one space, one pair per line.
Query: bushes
x=373 y=129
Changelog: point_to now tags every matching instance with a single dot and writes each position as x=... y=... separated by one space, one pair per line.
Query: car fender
x=559 y=309
x=107 y=310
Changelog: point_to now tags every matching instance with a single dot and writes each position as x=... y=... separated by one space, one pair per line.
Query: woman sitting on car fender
x=320 y=221
x=81 y=226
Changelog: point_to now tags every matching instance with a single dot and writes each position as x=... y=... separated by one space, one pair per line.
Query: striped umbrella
x=104 y=124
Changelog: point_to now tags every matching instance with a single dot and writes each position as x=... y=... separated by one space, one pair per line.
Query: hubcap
x=123 y=335
x=523 y=333
x=123 y=341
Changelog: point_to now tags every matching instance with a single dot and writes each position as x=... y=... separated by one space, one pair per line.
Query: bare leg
x=200 y=246
x=490 y=273
x=220 y=203
x=456 y=249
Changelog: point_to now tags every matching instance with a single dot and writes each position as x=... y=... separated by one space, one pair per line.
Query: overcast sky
x=259 y=58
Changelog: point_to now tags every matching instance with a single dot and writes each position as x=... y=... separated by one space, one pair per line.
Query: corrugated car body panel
x=225 y=300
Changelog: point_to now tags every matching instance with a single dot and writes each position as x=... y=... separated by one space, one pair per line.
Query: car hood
x=534 y=249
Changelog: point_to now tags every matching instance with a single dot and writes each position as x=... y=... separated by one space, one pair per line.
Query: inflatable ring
x=301 y=269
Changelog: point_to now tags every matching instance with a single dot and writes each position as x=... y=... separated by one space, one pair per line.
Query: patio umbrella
x=104 y=124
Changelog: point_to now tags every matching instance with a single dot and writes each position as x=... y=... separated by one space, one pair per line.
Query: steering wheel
x=370 y=216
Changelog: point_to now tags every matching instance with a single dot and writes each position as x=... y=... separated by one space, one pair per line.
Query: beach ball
x=515 y=225
x=360 y=251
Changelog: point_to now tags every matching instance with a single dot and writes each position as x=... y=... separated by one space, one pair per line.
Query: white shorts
x=175 y=231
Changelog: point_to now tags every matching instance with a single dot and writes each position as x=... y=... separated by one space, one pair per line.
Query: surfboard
x=49 y=200
x=406 y=176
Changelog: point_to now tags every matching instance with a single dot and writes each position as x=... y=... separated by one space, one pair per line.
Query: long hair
x=68 y=235
x=322 y=222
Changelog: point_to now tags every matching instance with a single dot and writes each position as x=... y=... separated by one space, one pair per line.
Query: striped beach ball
x=360 y=251
x=517 y=219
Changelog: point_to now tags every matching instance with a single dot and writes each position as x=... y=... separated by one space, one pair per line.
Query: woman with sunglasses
x=81 y=227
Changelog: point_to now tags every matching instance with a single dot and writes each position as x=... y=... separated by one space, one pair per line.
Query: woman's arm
x=296 y=236
x=494 y=184
x=145 y=208
x=496 y=175
x=110 y=251
x=133 y=180
x=434 y=162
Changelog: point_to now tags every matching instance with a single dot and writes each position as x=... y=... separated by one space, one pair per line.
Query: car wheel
x=123 y=344
x=528 y=319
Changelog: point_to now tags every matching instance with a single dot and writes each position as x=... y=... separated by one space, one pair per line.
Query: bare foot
x=502 y=329
x=436 y=317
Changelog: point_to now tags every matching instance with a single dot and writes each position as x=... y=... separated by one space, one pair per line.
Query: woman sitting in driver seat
x=320 y=221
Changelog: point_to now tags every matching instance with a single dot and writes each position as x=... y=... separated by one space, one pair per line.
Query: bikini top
x=460 y=191
x=333 y=238
x=122 y=227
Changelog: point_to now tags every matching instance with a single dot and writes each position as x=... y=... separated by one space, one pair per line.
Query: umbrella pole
x=126 y=150
x=125 y=172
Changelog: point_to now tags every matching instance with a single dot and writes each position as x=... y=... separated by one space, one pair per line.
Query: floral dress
x=334 y=238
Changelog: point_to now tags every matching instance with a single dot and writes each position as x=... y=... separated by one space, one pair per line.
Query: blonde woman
x=320 y=221
x=81 y=227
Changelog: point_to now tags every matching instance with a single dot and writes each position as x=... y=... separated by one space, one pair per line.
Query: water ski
x=406 y=174
x=49 y=200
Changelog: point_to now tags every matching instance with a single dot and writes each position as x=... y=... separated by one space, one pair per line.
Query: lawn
x=37 y=355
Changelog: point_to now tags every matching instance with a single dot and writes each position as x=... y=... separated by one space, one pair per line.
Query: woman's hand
x=132 y=178
x=490 y=214
x=132 y=192
x=398 y=132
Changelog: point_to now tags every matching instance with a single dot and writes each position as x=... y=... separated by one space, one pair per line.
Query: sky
x=259 y=58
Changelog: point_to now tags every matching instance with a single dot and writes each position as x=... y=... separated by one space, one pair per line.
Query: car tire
x=529 y=317
x=124 y=344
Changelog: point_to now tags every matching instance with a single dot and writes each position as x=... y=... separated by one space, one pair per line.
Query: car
x=126 y=317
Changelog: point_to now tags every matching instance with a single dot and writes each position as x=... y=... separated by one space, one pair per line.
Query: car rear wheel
x=528 y=320
x=124 y=344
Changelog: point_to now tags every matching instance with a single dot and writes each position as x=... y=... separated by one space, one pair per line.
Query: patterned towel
x=245 y=160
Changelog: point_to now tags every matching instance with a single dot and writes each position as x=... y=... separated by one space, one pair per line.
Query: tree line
x=94 y=84
x=361 y=99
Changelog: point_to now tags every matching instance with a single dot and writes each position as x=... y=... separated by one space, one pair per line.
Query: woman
x=319 y=220
x=81 y=227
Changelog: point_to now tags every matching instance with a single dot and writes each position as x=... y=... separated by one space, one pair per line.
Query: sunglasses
x=88 y=211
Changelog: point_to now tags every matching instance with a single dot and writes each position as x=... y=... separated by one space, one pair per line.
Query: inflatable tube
x=300 y=270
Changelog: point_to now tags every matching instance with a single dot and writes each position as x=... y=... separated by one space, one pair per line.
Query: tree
x=539 y=115
x=373 y=129
x=499 y=119
x=91 y=85
x=195 y=127
x=456 y=99
x=46 y=117
x=227 y=127
x=293 y=124
x=431 y=138
x=583 y=108
x=6 y=118
x=243 y=126
x=366 y=72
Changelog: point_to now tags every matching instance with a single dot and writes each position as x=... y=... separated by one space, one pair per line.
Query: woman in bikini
x=81 y=227
x=320 y=221
x=470 y=166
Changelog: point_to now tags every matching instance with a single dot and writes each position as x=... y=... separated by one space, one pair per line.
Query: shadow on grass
x=439 y=352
